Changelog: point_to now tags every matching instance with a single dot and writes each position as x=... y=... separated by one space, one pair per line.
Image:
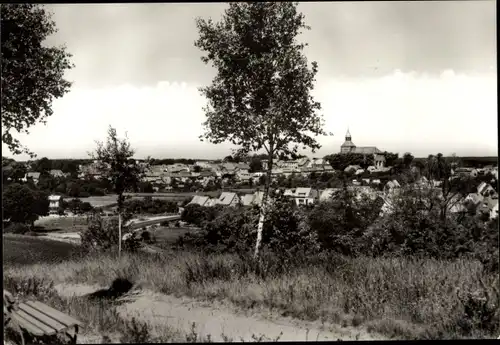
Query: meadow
x=31 y=250
x=400 y=298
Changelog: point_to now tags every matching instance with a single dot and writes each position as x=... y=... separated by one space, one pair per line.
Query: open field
x=28 y=250
x=400 y=298
x=65 y=223
x=165 y=236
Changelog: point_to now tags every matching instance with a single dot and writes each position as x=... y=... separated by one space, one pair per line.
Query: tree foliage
x=32 y=74
x=261 y=96
x=23 y=205
x=116 y=164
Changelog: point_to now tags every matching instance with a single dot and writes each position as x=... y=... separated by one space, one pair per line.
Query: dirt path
x=219 y=321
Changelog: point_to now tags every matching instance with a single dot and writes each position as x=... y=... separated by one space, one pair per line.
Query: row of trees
x=351 y=225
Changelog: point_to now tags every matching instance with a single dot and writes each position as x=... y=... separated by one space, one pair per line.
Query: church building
x=349 y=147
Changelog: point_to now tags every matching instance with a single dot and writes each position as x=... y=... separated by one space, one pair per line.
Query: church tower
x=348 y=145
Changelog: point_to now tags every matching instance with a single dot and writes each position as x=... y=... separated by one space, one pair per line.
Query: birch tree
x=32 y=72
x=260 y=97
x=115 y=162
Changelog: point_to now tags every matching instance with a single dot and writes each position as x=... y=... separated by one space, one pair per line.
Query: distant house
x=379 y=160
x=352 y=168
x=465 y=172
x=201 y=200
x=391 y=186
x=494 y=211
x=57 y=173
x=203 y=165
x=302 y=196
x=485 y=189
x=177 y=168
x=243 y=175
x=327 y=194
x=35 y=176
x=247 y=199
x=228 y=199
x=242 y=166
x=55 y=201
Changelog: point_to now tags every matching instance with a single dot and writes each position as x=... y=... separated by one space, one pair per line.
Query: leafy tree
x=115 y=163
x=75 y=206
x=32 y=73
x=390 y=158
x=22 y=205
x=86 y=207
x=13 y=172
x=407 y=159
x=255 y=164
x=43 y=165
x=340 y=161
x=197 y=169
x=260 y=97
x=341 y=221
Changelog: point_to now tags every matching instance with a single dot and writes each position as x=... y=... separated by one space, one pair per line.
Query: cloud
x=399 y=112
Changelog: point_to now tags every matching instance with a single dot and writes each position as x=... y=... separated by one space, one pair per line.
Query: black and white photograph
x=249 y=171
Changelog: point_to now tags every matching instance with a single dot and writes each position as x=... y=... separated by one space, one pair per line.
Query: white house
x=55 y=201
x=485 y=189
x=302 y=196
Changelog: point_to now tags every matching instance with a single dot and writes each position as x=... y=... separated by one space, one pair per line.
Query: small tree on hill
x=32 y=72
x=117 y=165
x=21 y=204
x=260 y=97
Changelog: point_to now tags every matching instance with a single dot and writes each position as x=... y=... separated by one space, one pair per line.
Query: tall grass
x=400 y=297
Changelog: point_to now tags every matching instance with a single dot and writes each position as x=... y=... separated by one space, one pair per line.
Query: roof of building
x=243 y=166
x=258 y=197
x=33 y=174
x=303 y=191
x=226 y=198
x=247 y=199
x=55 y=197
x=229 y=166
x=366 y=150
x=327 y=194
x=348 y=143
x=199 y=200
x=379 y=158
x=352 y=167
x=56 y=172
x=392 y=184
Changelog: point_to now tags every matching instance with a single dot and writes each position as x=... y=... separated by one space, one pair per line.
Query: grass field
x=29 y=250
x=66 y=224
x=165 y=236
x=400 y=298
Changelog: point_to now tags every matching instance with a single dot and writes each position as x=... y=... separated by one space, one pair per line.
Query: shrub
x=199 y=215
x=17 y=228
x=101 y=233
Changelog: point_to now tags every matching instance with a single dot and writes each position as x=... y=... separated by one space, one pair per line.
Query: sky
x=415 y=77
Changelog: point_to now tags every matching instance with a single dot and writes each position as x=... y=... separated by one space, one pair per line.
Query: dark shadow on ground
x=119 y=287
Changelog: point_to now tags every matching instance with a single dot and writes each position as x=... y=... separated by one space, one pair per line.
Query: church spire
x=348 y=135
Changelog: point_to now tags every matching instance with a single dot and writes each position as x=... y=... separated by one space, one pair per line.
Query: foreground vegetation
x=399 y=297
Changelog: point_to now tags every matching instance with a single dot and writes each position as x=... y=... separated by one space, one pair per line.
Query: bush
x=199 y=215
x=101 y=233
x=17 y=228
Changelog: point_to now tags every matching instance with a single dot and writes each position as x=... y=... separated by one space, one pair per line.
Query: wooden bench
x=40 y=320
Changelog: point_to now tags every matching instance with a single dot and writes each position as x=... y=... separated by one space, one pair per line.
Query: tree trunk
x=263 y=207
x=119 y=234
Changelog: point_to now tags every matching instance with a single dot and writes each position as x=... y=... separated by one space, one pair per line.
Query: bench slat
x=31 y=325
x=66 y=320
x=46 y=319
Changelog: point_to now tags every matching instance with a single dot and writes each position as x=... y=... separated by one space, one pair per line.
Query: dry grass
x=401 y=298
x=65 y=223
